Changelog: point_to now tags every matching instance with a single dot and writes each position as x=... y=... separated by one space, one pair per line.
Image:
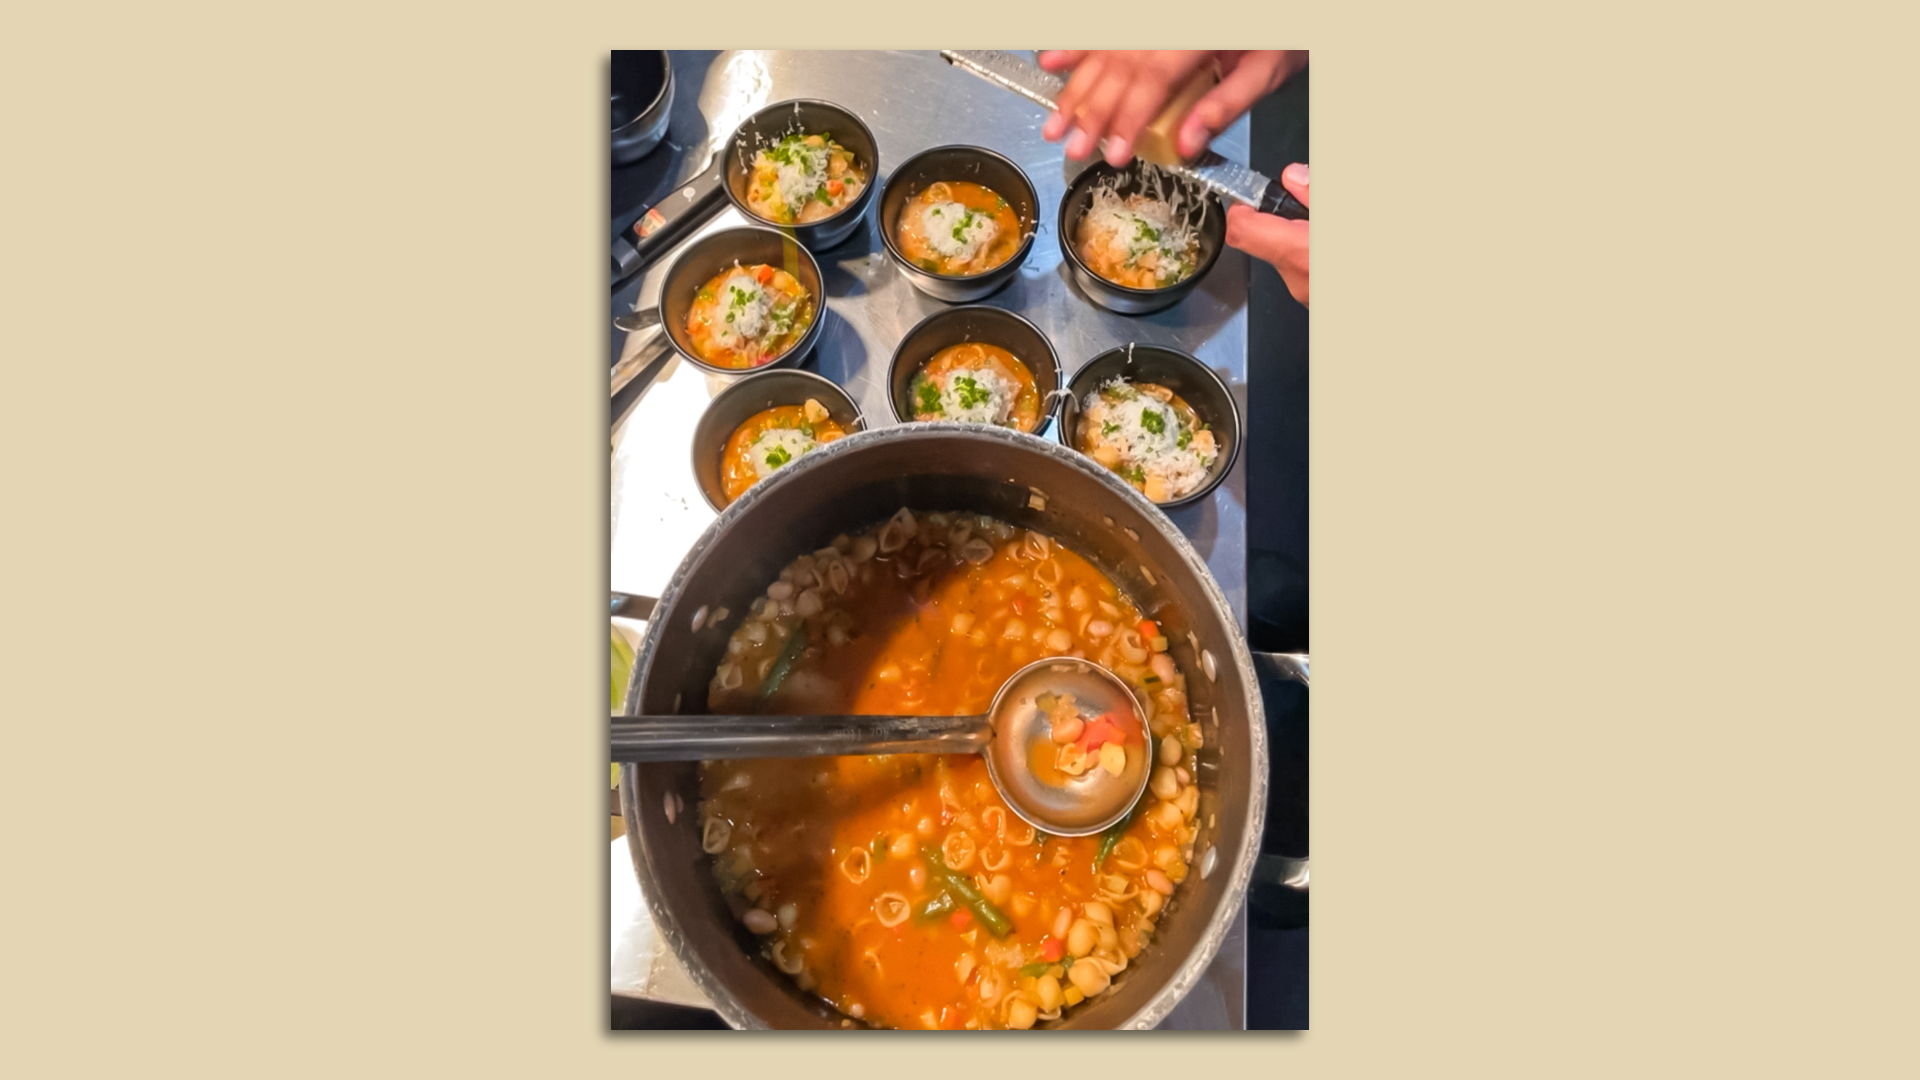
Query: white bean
x=1164 y=785
x=1162 y=666
x=760 y=921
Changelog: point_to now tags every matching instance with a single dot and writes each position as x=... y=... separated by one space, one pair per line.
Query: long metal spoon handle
x=638 y=320
x=640 y=360
x=710 y=738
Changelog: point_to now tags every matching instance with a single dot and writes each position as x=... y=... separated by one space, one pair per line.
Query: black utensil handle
x=1278 y=200
x=665 y=222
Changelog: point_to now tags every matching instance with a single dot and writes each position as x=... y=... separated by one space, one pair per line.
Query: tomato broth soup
x=900 y=888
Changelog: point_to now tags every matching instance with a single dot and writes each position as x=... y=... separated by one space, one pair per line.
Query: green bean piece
x=936 y=907
x=880 y=847
x=1114 y=832
x=995 y=920
x=1034 y=971
x=778 y=673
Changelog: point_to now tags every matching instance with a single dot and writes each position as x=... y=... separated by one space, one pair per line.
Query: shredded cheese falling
x=1154 y=228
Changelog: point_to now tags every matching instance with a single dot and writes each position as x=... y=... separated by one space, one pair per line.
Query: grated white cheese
x=993 y=408
x=1147 y=434
x=1161 y=221
x=774 y=443
x=744 y=307
x=797 y=180
x=956 y=231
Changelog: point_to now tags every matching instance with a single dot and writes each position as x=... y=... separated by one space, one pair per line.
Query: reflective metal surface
x=753 y=737
x=914 y=101
x=1058 y=803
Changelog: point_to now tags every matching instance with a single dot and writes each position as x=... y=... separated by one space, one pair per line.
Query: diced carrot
x=1099 y=731
x=1148 y=631
x=962 y=919
x=835 y=187
x=1050 y=949
x=763 y=275
x=1020 y=603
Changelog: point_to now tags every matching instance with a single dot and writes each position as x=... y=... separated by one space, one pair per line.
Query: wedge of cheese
x=1157 y=142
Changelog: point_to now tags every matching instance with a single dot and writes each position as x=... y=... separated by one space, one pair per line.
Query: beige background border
x=1613 y=467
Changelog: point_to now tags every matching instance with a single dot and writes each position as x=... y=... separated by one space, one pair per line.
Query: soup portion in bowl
x=958 y=227
x=977 y=383
x=1143 y=240
x=748 y=316
x=803 y=178
x=1150 y=436
x=900 y=888
x=770 y=440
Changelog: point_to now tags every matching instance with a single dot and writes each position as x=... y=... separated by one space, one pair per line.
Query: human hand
x=1275 y=239
x=1115 y=94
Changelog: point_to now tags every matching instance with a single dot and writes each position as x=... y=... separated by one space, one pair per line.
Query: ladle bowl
x=1014 y=735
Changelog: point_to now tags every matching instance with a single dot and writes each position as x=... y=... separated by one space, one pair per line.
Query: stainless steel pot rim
x=1073 y=257
x=739 y=140
x=1026 y=244
x=1241 y=864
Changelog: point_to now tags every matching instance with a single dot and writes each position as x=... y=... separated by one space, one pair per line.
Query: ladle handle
x=709 y=738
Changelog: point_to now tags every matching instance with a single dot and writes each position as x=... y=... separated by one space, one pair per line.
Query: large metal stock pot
x=1030 y=482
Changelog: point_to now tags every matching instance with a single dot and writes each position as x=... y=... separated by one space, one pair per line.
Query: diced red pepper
x=961 y=919
x=1050 y=949
x=1102 y=729
x=1020 y=603
x=1148 y=631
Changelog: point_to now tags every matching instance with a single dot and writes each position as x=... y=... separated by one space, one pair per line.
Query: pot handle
x=1272 y=870
x=1291 y=666
x=629 y=606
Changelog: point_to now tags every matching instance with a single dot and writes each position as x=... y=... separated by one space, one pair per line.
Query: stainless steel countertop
x=913 y=101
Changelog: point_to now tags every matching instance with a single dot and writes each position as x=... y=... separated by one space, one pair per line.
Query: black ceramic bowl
x=756 y=394
x=642 y=102
x=950 y=163
x=775 y=122
x=1122 y=298
x=955 y=326
x=1178 y=372
x=716 y=251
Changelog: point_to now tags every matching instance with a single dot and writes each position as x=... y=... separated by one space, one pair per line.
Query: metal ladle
x=1014 y=735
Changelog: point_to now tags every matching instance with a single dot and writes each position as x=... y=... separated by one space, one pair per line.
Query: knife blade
x=1230 y=178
